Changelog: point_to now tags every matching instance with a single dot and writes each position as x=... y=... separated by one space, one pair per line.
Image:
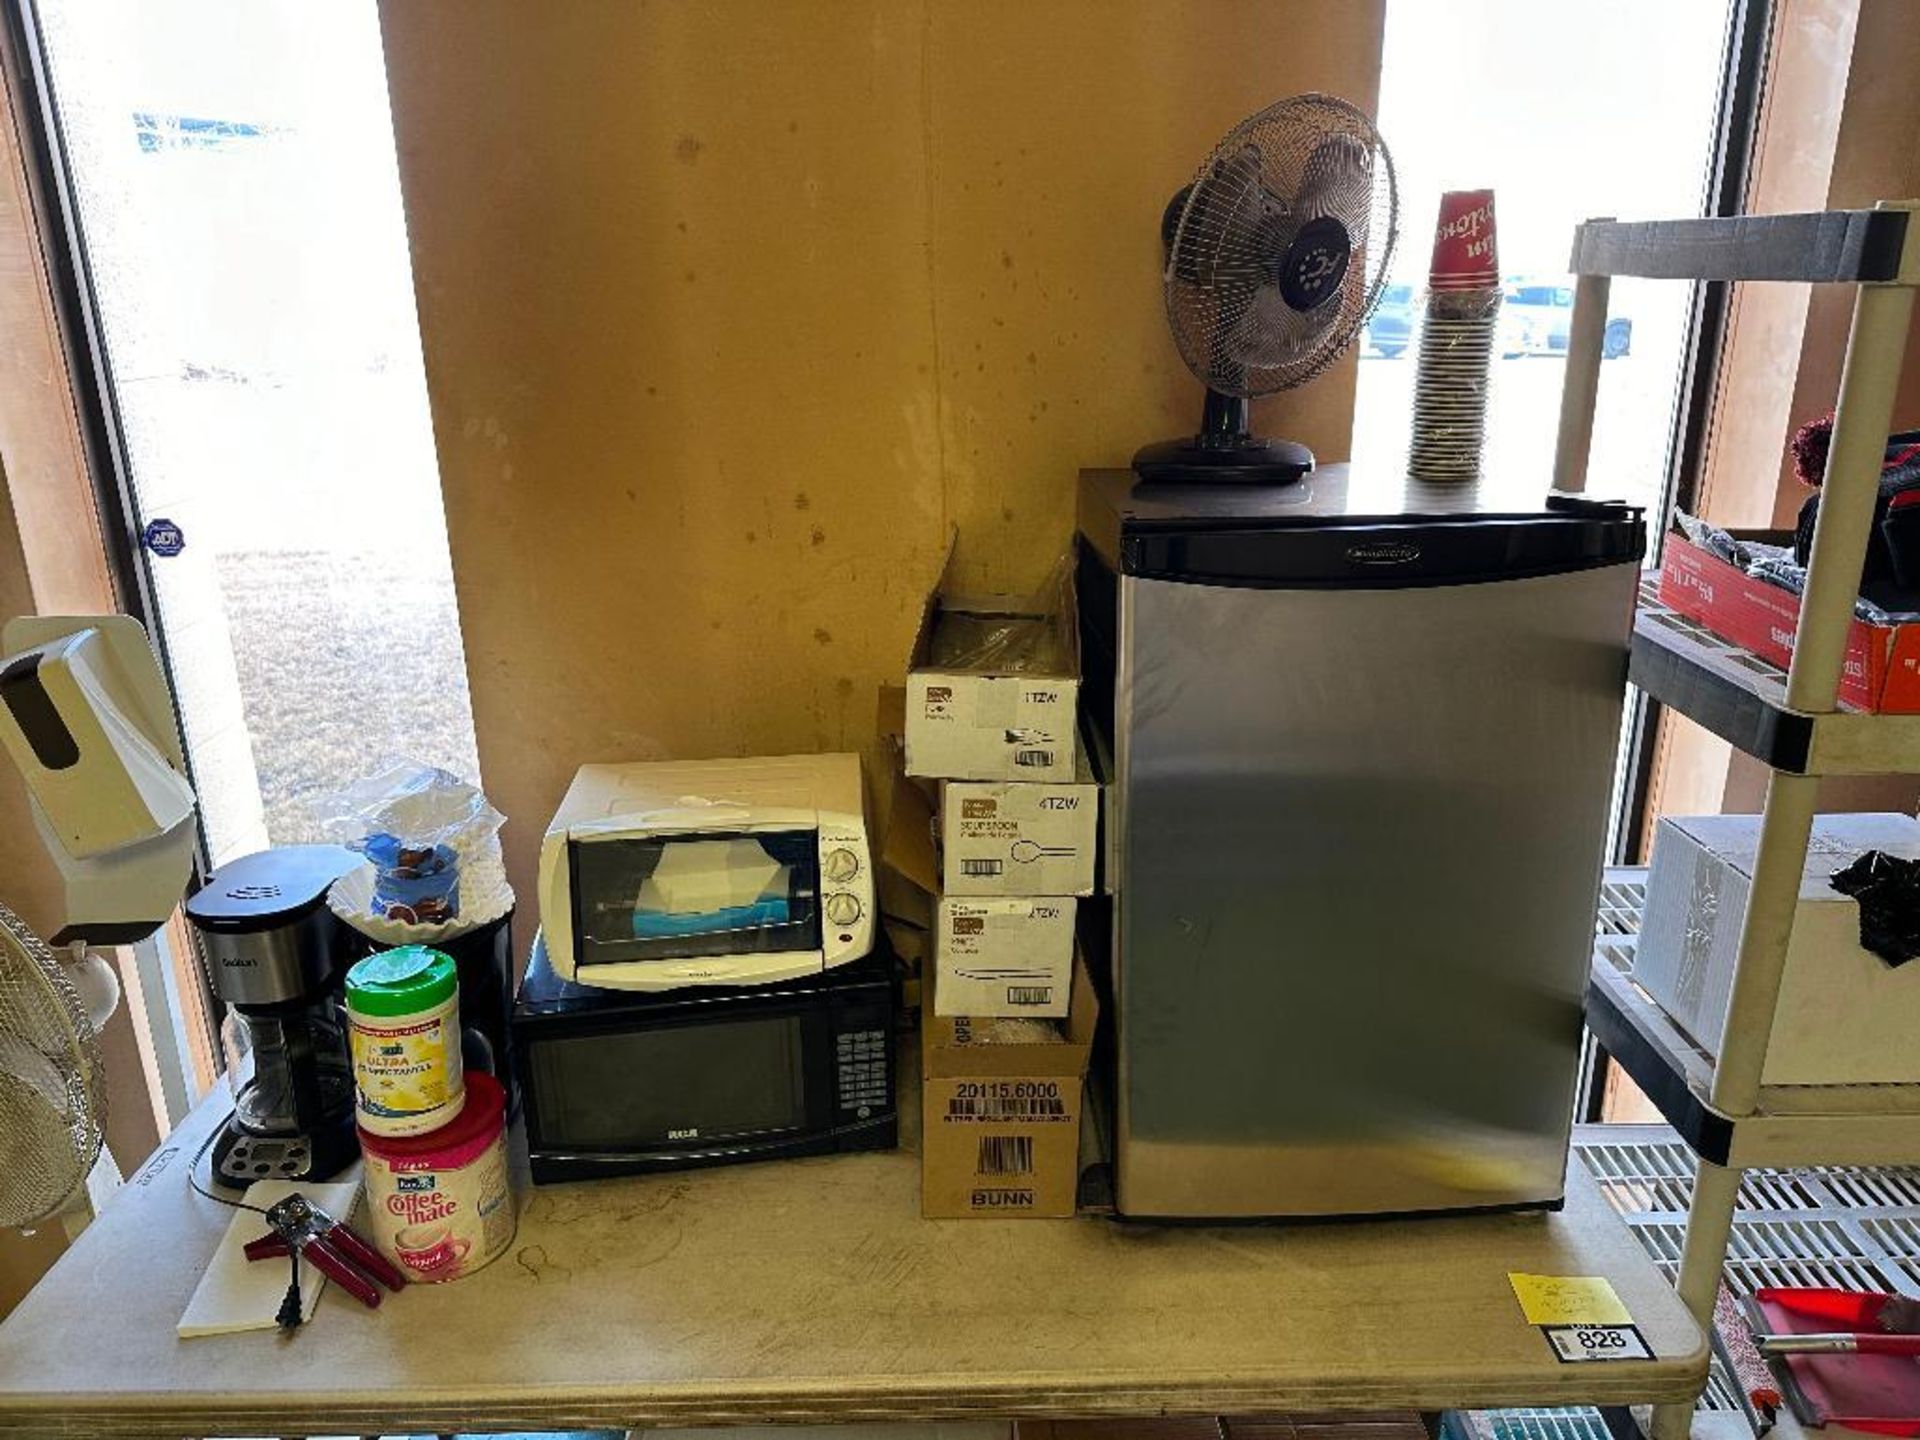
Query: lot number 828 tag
x=1574 y=1343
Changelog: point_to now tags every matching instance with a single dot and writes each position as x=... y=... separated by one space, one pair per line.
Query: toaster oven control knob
x=843 y=909
x=842 y=865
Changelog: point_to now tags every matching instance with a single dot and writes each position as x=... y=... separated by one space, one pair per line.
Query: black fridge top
x=1336 y=528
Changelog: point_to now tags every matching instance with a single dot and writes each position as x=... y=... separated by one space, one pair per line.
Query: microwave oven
x=659 y=874
x=628 y=1083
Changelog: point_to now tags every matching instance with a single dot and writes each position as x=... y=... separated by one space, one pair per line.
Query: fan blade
x=1270 y=333
x=1204 y=249
x=1337 y=180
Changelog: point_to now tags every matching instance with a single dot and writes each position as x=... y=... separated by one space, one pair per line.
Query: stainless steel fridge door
x=1360 y=842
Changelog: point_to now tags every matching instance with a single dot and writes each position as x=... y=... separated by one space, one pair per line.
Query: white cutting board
x=240 y=1294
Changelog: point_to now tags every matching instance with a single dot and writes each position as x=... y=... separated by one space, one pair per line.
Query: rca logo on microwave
x=978 y=809
x=689 y=1132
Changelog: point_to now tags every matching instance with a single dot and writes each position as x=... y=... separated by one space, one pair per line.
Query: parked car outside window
x=1535 y=316
x=1390 y=329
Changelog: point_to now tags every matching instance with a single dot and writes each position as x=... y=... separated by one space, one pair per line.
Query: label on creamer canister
x=439 y=1225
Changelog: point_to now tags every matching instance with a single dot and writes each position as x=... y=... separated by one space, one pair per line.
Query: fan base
x=1245 y=460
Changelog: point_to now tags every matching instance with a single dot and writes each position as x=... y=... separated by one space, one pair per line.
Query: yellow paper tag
x=1568 y=1300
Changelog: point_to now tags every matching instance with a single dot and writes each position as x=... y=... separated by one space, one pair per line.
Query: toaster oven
x=655 y=875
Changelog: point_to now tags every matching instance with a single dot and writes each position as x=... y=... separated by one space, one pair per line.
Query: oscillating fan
x=1276 y=255
x=52 y=1096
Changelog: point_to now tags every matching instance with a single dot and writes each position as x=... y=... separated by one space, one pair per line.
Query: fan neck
x=1226 y=422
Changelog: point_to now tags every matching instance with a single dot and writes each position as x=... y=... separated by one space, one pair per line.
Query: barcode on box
x=1005 y=1155
x=1007 y=1107
x=1029 y=995
x=1041 y=758
x=982 y=867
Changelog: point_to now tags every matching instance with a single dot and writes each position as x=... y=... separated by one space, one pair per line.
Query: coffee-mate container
x=440 y=1205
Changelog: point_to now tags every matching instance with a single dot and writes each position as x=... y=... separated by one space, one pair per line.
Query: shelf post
x=1876 y=346
x=1774 y=895
x=1580 y=388
x=1716 y=1191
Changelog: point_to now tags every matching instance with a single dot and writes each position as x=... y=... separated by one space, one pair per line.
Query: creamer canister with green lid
x=404 y=1009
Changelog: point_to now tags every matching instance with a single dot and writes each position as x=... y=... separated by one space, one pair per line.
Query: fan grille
x=1255 y=297
x=52 y=1101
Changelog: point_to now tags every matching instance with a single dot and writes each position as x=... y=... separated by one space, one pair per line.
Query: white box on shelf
x=993 y=685
x=1845 y=1017
x=1004 y=956
x=1015 y=837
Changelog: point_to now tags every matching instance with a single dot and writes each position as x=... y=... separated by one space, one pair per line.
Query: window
x=233 y=181
x=1567 y=112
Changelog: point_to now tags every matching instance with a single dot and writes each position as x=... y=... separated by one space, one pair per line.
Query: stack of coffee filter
x=432 y=843
x=1456 y=341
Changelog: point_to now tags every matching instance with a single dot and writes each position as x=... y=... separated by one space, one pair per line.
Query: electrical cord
x=288 y=1317
x=193 y=1179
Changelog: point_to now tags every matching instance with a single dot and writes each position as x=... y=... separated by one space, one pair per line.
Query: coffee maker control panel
x=262 y=1157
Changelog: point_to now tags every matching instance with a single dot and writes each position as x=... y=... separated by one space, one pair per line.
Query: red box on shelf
x=1882 y=671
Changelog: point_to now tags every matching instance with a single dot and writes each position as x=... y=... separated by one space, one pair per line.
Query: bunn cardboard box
x=1005 y=955
x=993 y=685
x=1000 y=837
x=1000 y=1131
x=1881 y=671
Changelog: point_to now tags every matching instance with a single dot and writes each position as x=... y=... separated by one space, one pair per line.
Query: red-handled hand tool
x=302 y=1228
x=1864 y=1343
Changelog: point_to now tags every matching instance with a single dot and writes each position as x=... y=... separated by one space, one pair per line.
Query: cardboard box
x=1012 y=838
x=1882 y=668
x=1000 y=1131
x=1005 y=956
x=1845 y=1017
x=993 y=685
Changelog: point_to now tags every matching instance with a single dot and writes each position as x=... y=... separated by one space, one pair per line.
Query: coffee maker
x=273 y=954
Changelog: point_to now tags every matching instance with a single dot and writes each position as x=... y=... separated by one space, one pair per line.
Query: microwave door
x=673 y=1089
x=666 y=898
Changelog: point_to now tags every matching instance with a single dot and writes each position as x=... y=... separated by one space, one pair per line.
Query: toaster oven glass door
x=675 y=1087
x=682 y=897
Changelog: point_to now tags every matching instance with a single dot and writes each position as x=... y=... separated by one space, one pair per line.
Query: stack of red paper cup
x=1456 y=341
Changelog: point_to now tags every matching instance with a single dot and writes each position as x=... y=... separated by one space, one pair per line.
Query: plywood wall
x=731 y=309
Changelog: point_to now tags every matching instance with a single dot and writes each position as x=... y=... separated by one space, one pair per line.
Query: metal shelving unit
x=1792 y=721
x=1852 y=1229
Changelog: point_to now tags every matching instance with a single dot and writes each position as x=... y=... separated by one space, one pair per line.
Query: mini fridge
x=1361 y=743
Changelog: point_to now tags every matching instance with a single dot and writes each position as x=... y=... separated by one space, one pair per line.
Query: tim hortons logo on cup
x=1465 y=253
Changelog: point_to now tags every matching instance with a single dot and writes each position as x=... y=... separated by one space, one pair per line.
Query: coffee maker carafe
x=273 y=954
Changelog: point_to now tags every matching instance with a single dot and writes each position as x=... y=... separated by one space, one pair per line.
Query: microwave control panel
x=863 y=1063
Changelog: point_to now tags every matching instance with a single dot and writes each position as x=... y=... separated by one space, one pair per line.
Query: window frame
x=1725 y=190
